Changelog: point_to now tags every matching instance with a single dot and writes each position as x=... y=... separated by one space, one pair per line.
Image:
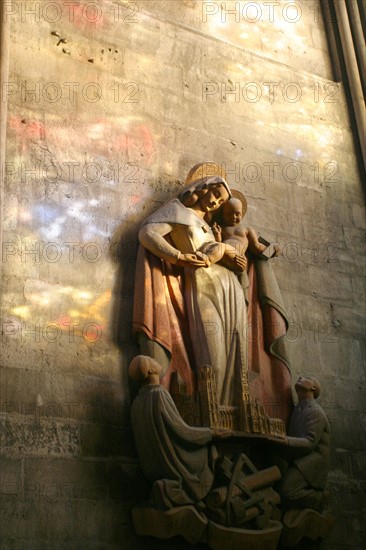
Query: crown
x=205 y=170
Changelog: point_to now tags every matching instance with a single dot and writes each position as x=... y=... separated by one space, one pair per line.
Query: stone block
x=99 y=440
x=348 y=190
x=347 y=499
x=345 y=425
x=319 y=38
x=11 y=473
x=239 y=26
x=307 y=312
x=349 y=394
x=50 y=395
x=330 y=285
x=359 y=215
x=359 y=288
x=355 y=239
x=322 y=234
x=352 y=464
x=345 y=260
x=154 y=70
x=55 y=479
x=26 y=347
x=281 y=222
x=294 y=278
x=362 y=421
x=23 y=434
x=346 y=352
x=305 y=348
x=58 y=522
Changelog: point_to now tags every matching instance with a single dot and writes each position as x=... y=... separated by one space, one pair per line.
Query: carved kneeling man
x=307 y=451
x=175 y=457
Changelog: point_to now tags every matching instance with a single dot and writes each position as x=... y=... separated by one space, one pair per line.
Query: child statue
x=227 y=228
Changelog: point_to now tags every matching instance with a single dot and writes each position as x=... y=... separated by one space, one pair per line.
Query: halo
x=205 y=170
x=238 y=195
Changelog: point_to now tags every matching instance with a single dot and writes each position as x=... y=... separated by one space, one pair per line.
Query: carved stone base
x=221 y=537
x=298 y=524
x=185 y=521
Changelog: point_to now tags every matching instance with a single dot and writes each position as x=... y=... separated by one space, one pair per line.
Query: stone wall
x=110 y=104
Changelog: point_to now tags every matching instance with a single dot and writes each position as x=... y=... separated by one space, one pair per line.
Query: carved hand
x=218 y=433
x=241 y=262
x=193 y=260
x=216 y=230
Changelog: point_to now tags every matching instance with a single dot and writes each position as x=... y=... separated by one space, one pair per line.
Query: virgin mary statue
x=189 y=311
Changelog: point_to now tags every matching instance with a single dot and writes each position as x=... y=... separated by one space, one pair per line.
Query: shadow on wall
x=124 y=245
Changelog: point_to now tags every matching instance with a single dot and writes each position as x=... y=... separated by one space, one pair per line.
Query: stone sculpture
x=174 y=457
x=204 y=497
x=190 y=310
x=189 y=495
x=204 y=322
x=306 y=450
x=201 y=280
x=227 y=227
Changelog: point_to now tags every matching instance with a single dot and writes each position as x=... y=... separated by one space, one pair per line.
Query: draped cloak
x=170 y=450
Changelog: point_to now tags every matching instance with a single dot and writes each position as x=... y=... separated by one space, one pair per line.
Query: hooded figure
x=175 y=457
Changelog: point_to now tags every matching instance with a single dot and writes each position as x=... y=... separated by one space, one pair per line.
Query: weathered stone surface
x=146 y=94
x=64 y=521
x=10 y=477
x=59 y=501
x=106 y=440
x=30 y=434
x=80 y=478
x=333 y=347
x=359 y=216
x=297 y=281
x=346 y=498
x=47 y=395
x=331 y=286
